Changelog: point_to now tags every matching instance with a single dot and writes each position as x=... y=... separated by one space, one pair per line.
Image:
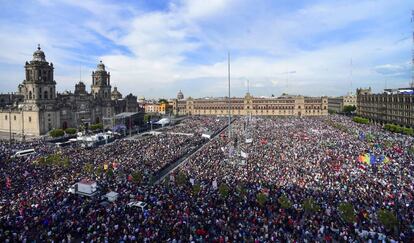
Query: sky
x=155 y=48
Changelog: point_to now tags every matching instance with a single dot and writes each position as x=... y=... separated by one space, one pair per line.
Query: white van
x=23 y=153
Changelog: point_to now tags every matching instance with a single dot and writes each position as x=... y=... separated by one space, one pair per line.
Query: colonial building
x=337 y=104
x=286 y=105
x=37 y=108
x=392 y=106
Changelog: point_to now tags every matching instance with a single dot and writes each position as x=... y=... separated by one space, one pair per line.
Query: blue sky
x=154 y=48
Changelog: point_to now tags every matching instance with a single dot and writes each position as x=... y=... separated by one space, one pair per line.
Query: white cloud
x=164 y=46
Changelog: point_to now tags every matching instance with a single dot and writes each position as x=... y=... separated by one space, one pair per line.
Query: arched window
x=30 y=94
x=45 y=95
x=51 y=93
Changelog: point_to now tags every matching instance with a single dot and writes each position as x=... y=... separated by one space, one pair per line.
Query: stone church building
x=37 y=108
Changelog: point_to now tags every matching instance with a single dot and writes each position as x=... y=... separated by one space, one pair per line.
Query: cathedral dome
x=100 y=66
x=180 y=95
x=39 y=55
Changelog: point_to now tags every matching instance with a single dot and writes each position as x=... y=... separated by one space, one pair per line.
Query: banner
x=244 y=155
x=249 y=140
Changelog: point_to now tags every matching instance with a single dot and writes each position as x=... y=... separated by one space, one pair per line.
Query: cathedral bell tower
x=39 y=86
x=101 y=83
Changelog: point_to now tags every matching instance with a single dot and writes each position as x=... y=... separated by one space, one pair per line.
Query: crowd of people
x=214 y=195
x=198 y=125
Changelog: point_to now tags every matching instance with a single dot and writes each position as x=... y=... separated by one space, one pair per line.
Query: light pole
x=10 y=133
x=22 y=126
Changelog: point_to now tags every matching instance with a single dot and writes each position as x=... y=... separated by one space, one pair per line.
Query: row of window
x=408 y=99
x=15 y=118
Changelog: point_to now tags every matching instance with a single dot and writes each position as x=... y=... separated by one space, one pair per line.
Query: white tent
x=163 y=121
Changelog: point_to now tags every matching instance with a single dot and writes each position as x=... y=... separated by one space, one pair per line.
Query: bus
x=64 y=144
x=23 y=153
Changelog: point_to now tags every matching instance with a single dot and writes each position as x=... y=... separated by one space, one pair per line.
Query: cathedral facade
x=37 y=108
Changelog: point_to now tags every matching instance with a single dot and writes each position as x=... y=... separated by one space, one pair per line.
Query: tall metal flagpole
x=228 y=60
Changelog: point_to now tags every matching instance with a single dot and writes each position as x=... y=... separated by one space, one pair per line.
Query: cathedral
x=37 y=108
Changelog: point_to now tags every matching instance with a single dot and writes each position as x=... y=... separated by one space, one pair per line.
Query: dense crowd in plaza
x=198 y=125
x=213 y=196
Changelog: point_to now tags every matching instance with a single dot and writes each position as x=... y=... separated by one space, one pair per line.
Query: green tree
x=99 y=170
x=70 y=130
x=137 y=176
x=196 y=189
x=56 y=133
x=261 y=199
x=361 y=120
x=88 y=168
x=284 y=202
x=412 y=149
x=388 y=219
x=310 y=206
x=347 y=212
x=110 y=173
x=181 y=178
x=349 y=108
x=241 y=190
x=147 y=118
x=98 y=126
x=224 y=190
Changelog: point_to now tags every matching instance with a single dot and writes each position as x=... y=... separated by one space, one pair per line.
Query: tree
x=196 y=188
x=56 y=133
x=88 y=168
x=181 y=178
x=70 y=131
x=361 y=120
x=310 y=206
x=388 y=219
x=349 y=108
x=241 y=190
x=261 y=199
x=347 y=212
x=137 y=176
x=98 y=126
x=284 y=202
x=224 y=190
x=147 y=118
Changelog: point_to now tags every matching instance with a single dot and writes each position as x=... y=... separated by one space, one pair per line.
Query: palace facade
x=392 y=106
x=37 y=108
x=286 y=105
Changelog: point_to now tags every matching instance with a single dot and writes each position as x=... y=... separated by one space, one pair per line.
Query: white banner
x=244 y=155
x=249 y=140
